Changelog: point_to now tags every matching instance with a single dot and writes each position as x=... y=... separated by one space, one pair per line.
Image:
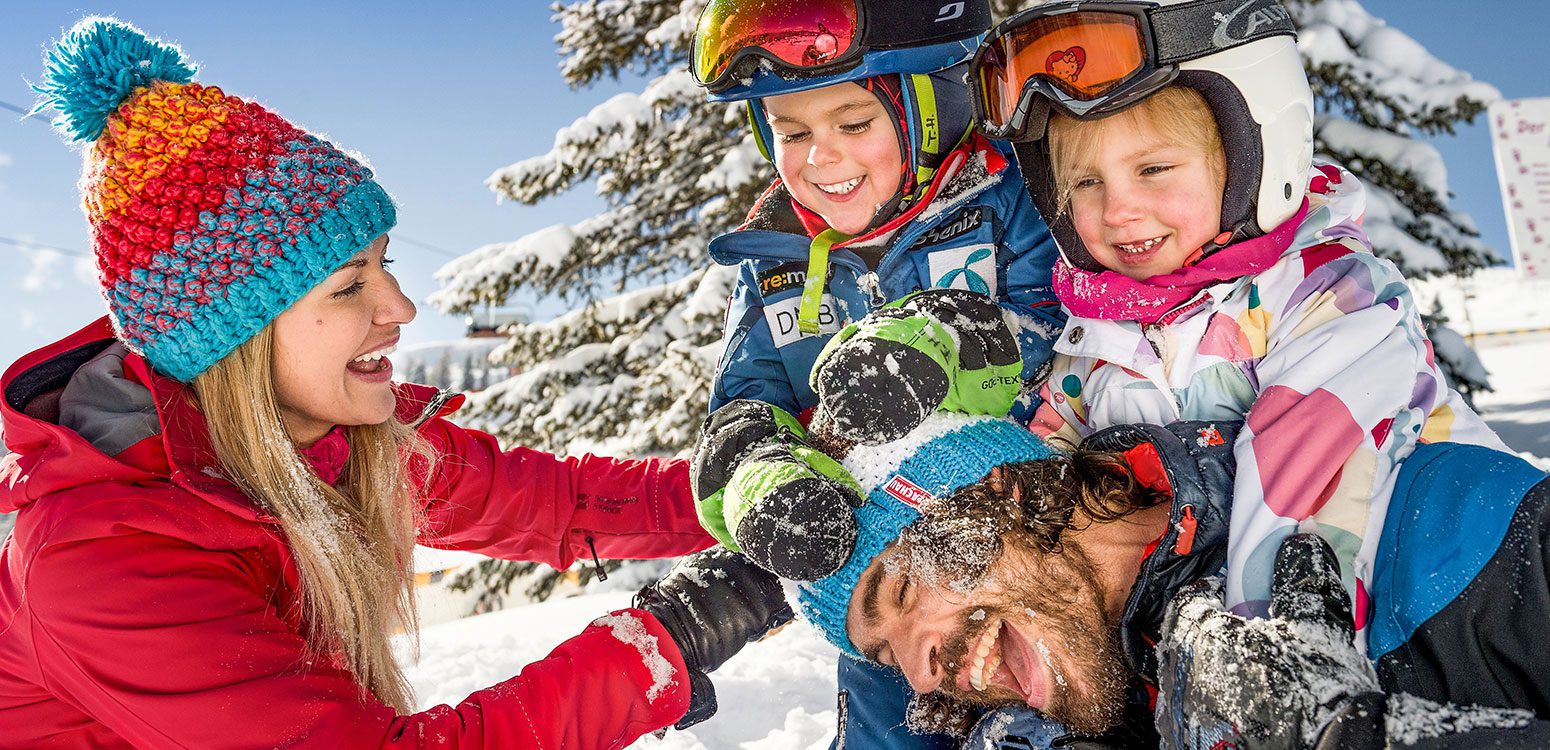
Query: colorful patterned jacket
x=1303 y=333
x=975 y=229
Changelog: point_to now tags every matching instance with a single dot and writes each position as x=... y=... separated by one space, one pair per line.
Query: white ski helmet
x=1240 y=55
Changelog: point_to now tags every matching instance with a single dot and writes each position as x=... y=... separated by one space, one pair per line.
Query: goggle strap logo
x=1193 y=30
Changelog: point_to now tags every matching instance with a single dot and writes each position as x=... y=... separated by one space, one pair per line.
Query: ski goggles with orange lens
x=801 y=37
x=1091 y=58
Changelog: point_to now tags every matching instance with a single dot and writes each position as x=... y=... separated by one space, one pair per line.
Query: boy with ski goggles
x=885 y=189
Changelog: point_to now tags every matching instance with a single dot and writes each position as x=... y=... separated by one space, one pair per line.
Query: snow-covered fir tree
x=630 y=373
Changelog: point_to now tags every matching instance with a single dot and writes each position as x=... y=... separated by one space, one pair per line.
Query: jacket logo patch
x=783 y=277
x=965 y=223
x=782 y=317
x=906 y=492
x=1210 y=436
x=972 y=268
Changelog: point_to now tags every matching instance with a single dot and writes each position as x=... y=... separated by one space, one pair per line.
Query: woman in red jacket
x=220 y=488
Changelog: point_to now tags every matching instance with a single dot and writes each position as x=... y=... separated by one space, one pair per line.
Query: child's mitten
x=939 y=349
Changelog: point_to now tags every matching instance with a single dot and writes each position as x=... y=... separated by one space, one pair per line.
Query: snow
x=1519 y=408
x=1342 y=32
x=630 y=630
x=778 y=694
x=1410 y=719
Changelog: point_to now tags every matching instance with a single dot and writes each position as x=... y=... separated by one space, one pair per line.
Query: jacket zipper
x=432 y=406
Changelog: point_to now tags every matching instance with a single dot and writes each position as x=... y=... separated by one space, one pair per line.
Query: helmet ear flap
x=1033 y=158
x=763 y=137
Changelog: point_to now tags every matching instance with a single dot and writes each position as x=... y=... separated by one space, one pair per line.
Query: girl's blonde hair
x=1177 y=114
x=353 y=543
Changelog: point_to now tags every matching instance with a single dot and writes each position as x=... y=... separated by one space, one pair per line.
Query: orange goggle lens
x=1084 y=55
x=799 y=33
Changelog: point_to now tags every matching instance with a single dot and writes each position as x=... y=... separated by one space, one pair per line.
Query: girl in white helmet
x=1211 y=269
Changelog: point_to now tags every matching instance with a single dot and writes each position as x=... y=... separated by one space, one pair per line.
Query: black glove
x=713 y=603
x=1270 y=683
x=946 y=349
x=1294 y=680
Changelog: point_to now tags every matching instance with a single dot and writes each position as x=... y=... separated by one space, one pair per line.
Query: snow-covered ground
x=1519 y=408
x=779 y=694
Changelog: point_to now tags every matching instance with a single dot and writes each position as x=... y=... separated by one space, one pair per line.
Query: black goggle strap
x=1194 y=30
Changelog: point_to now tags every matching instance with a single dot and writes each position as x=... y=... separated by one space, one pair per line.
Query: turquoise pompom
x=97 y=64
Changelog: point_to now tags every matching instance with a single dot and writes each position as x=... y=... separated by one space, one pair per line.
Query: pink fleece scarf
x=1107 y=295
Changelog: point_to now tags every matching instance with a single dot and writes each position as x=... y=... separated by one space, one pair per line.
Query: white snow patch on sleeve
x=1411 y=719
x=629 y=629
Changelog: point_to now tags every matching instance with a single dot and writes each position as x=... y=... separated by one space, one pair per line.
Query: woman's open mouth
x=373 y=365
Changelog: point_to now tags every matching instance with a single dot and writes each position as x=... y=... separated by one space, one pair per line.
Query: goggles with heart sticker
x=1091 y=58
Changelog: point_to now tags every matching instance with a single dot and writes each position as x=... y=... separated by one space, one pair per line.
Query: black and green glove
x=725 y=438
x=761 y=490
x=939 y=349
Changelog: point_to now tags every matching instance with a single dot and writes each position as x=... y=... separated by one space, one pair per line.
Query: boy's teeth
x=1139 y=247
x=376 y=355
x=840 y=188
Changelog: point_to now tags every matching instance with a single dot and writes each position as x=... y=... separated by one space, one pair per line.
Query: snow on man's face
x=837 y=152
x=330 y=365
x=1144 y=205
x=1031 y=631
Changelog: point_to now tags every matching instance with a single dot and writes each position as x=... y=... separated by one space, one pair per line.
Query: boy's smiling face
x=837 y=152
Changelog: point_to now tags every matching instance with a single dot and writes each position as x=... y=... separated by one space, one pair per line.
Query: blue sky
x=438 y=97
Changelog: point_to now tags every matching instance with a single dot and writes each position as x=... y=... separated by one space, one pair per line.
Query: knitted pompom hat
x=210 y=215
x=946 y=453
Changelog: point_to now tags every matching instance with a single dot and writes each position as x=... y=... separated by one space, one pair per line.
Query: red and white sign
x=907 y=492
x=1520 y=134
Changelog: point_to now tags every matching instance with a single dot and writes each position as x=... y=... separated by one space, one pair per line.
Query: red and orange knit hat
x=210 y=215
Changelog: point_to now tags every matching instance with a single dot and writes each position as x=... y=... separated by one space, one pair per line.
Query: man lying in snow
x=994 y=571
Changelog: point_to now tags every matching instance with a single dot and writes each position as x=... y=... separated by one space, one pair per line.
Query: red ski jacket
x=146 y=602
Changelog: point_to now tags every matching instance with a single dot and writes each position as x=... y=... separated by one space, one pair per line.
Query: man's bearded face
x=1032 y=630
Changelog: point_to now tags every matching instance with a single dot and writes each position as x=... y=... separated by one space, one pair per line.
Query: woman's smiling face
x=837 y=153
x=330 y=365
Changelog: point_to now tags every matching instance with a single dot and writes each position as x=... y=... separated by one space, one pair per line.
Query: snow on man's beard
x=1053 y=598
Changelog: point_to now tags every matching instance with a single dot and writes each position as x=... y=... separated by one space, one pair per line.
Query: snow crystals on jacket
x=146 y=602
x=974 y=229
x=1315 y=342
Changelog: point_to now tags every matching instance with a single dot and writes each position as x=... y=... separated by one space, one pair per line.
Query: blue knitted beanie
x=944 y=454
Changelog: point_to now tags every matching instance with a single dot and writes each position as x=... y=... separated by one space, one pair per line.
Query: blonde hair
x=353 y=543
x=1176 y=114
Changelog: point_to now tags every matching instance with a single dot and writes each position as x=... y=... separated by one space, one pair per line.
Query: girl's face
x=1145 y=205
x=837 y=153
x=330 y=365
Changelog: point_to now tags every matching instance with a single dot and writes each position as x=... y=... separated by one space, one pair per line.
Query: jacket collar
x=959 y=179
x=1198 y=462
x=47 y=457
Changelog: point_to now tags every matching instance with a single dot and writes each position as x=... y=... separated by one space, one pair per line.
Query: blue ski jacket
x=975 y=229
